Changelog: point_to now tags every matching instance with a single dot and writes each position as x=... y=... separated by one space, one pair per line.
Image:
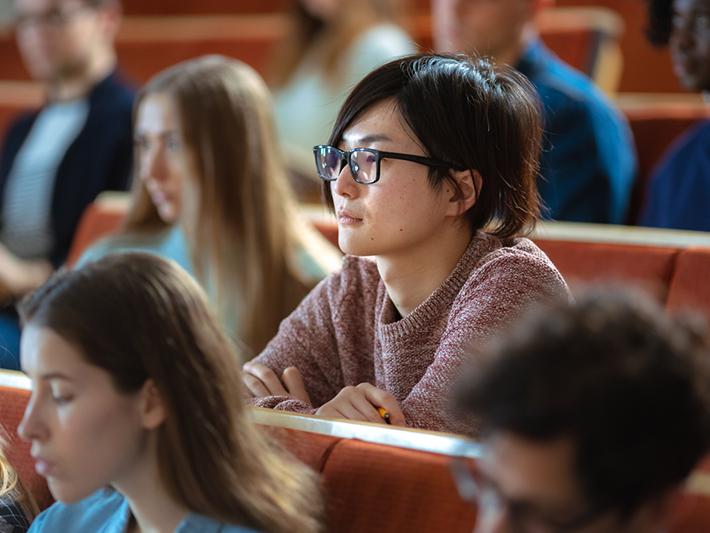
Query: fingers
x=268 y=378
x=254 y=386
x=380 y=398
x=361 y=403
x=293 y=381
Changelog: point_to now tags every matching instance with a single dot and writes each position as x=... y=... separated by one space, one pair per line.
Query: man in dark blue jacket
x=56 y=160
x=588 y=161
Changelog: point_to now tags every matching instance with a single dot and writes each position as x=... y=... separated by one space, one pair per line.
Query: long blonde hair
x=153 y=322
x=10 y=484
x=307 y=34
x=248 y=236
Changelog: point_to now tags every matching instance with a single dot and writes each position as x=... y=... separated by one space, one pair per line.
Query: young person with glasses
x=135 y=420
x=430 y=169
x=592 y=415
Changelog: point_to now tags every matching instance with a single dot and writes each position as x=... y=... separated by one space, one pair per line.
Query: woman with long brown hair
x=136 y=417
x=211 y=193
x=329 y=46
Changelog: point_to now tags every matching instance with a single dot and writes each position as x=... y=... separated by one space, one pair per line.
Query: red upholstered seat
x=375 y=487
x=690 y=287
x=101 y=218
x=581 y=263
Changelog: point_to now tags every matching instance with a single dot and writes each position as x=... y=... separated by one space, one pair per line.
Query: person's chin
x=68 y=493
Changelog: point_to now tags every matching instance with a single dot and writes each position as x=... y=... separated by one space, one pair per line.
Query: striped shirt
x=26 y=210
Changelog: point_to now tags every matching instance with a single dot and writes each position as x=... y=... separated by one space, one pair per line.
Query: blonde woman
x=15 y=507
x=136 y=417
x=330 y=46
x=211 y=193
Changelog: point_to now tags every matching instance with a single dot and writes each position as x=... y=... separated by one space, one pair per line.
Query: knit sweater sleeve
x=306 y=340
x=496 y=293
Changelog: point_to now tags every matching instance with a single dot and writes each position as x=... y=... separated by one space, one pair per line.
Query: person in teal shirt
x=211 y=193
x=137 y=418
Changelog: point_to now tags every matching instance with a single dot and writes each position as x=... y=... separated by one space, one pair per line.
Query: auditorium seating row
x=374 y=478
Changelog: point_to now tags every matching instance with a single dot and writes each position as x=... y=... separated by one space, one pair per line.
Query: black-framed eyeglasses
x=364 y=162
x=474 y=489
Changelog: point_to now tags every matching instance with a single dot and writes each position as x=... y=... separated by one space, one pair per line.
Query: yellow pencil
x=384 y=413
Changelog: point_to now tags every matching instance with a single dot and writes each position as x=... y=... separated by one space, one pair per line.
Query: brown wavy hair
x=139 y=317
x=248 y=230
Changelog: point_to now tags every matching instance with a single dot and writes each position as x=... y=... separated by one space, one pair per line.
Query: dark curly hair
x=626 y=382
x=660 y=21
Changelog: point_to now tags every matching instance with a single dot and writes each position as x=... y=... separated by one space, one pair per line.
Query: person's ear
x=152 y=408
x=465 y=194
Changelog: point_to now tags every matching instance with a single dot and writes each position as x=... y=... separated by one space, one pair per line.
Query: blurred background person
x=136 y=417
x=55 y=161
x=588 y=160
x=329 y=47
x=679 y=190
x=592 y=415
x=211 y=193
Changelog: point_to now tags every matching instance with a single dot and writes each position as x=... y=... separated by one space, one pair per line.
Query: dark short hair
x=472 y=114
x=660 y=21
x=627 y=383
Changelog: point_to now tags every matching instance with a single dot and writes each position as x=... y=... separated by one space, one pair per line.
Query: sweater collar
x=439 y=301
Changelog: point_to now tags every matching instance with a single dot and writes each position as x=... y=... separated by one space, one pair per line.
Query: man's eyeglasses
x=522 y=517
x=51 y=18
x=364 y=162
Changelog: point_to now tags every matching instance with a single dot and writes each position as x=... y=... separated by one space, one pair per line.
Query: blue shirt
x=588 y=160
x=107 y=511
x=679 y=190
x=169 y=243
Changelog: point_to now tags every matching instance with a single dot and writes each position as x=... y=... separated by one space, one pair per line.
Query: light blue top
x=27 y=205
x=169 y=243
x=107 y=511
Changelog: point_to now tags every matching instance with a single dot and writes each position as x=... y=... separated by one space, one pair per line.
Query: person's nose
x=153 y=165
x=345 y=185
x=32 y=426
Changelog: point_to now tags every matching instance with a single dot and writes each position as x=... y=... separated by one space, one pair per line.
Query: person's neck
x=512 y=54
x=412 y=275
x=151 y=506
x=75 y=87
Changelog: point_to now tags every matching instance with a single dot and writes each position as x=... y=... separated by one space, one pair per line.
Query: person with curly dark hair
x=592 y=415
x=679 y=190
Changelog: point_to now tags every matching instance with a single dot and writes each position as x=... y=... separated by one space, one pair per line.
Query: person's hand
x=261 y=381
x=18 y=276
x=361 y=403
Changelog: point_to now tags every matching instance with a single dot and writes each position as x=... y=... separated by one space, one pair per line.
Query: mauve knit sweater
x=347 y=330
